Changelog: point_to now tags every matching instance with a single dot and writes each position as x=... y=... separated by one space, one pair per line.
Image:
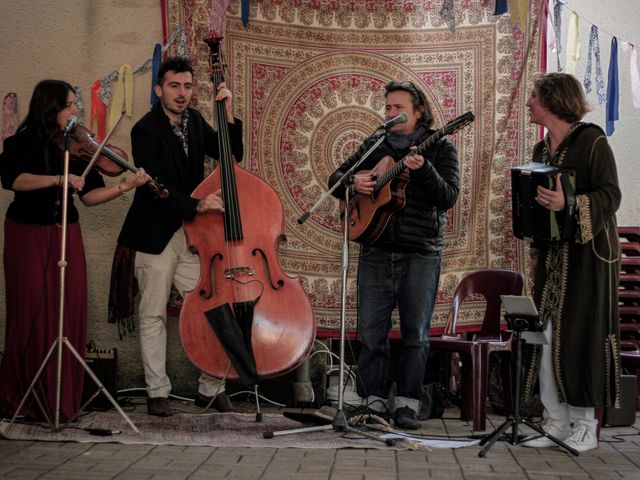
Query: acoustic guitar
x=370 y=214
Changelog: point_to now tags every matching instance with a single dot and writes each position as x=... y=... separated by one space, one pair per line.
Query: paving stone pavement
x=618 y=457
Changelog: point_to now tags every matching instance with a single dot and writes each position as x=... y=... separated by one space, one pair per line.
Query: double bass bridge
x=230 y=273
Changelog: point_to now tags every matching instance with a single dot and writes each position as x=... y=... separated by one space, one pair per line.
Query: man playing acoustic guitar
x=400 y=264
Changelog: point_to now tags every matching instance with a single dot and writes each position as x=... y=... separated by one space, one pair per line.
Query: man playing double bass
x=170 y=143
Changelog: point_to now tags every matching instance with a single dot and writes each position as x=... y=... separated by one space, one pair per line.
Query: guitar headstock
x=458 y=123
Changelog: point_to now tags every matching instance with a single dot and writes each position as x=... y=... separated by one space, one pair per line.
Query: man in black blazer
x=170 y=143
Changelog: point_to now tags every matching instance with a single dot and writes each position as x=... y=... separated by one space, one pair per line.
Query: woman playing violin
x=32 y=166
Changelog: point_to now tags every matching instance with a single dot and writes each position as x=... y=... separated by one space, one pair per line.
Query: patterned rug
x=308 y=77
x=213 y=429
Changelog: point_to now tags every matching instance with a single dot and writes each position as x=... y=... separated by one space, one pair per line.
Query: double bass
x=241 y=282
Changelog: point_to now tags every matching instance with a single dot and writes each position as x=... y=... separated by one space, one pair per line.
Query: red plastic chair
x=474 y=353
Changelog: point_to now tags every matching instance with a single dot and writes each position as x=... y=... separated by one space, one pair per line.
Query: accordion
x=532 y=221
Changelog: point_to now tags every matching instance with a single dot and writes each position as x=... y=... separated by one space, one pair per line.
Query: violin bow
x=100 y=147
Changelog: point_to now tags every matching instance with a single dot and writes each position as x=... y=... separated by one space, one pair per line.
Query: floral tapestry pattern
x=308 y=80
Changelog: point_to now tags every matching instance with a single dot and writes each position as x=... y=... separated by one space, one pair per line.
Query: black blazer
x=151 y=222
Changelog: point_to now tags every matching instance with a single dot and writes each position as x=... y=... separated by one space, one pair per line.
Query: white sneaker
x=582 y=439
x=545 y=442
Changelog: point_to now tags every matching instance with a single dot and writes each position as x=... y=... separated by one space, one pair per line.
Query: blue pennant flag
x=157 y=58
x=244 y=8
x=612 y=89
x=501 y=7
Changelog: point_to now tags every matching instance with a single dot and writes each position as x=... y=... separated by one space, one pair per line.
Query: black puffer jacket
x=418 y=226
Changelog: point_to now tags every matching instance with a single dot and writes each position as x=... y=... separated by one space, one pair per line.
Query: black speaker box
x=103 y=363
x=626 y=414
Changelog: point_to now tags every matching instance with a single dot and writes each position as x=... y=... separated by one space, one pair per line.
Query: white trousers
x=177 y=266
x=561 y=414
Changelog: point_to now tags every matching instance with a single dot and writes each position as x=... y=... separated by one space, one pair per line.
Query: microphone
x=402 y=118
x=71 y=124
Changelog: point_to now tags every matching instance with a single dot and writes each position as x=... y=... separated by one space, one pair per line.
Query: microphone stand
x=340 y=423
x=61 y=340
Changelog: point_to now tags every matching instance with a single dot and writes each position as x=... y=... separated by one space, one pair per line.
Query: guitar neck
x=397 y=169
x=448 y=129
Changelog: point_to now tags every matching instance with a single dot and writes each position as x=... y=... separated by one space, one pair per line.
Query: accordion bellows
x=532 y=221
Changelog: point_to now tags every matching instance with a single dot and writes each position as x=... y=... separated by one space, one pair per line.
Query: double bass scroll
x=240 y=274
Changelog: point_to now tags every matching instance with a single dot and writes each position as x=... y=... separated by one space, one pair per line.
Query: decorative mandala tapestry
x=308 y=79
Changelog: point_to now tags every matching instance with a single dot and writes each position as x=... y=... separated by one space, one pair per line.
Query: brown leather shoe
x=222 y=403
x=159 y=406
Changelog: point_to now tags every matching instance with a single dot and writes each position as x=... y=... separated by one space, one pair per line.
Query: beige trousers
x=562 y=414
x=177 y=266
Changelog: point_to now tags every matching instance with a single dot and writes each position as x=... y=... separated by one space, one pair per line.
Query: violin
x=112 y=161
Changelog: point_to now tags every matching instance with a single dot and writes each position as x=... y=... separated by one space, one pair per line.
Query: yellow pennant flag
x=123 y=95
x=518 y=11
x=573 y=44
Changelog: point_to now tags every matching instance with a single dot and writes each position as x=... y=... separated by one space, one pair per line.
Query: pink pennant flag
x=218 y=9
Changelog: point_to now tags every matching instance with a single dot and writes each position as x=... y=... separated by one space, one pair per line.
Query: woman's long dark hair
x=48 y=99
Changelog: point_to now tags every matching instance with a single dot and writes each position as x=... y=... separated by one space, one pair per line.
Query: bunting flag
x=9 y=115
x=557 y=30
x=183 y=45
x=98 y=111
x=105 y=87
x=501 y=7
x=594 y=52
x=573 y=43
x=218 y=9
x=79 y=102
x=104 y=92
x=157 y=59
x=448 y=15
x=551 y=38
x=612 y=89
x=634 y=74
x=519 y=12
x=122 y=96
x=244 y=5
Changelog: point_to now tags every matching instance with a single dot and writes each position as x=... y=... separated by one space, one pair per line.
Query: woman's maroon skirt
x=32 y=280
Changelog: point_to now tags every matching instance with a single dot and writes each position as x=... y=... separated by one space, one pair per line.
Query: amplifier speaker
x=626 y=414
x=103 y=363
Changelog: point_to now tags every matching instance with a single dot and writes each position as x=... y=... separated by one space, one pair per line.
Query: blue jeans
x=410 y=282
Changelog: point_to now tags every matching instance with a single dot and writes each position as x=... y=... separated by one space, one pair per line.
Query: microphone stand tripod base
x=338 y=424
x=515 y=419
x=340 y=421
